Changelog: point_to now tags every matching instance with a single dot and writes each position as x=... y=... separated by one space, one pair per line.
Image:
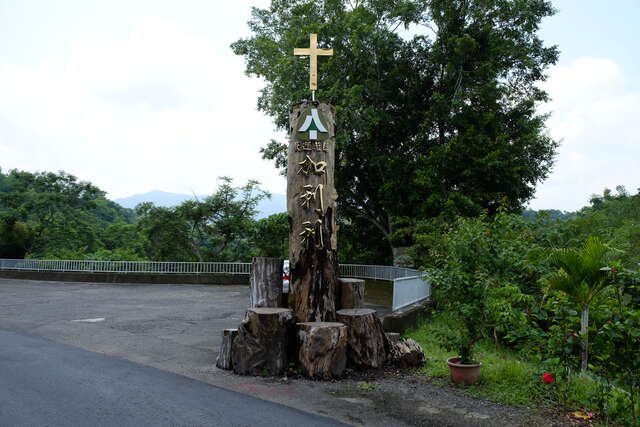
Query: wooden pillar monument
x=311 y=203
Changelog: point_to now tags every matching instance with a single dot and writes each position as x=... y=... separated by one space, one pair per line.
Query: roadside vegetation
x=554 y=303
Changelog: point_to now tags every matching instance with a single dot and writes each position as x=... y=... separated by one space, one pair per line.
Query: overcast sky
x=139 y=95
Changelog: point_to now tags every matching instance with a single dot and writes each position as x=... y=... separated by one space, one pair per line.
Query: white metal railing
x=89 y=266
x=409 y=290
x=376 y=272
x=409 y=285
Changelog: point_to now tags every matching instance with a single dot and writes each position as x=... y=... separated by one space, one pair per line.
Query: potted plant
x=475 y=266
x=463 y=299
x=464 y=369
x=462 y=281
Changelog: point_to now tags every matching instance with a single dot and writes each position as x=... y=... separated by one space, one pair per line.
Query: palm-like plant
x=582 y=274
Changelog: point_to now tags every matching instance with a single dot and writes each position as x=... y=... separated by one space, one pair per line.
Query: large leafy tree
x=436 y=100
x=217 y=228
x=270 y=236
x=45 y=211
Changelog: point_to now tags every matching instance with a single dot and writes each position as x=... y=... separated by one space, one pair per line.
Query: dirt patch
x=415 y=401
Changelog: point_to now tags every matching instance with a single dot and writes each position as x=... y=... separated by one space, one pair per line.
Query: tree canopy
x=436 y=101
x=56 y=216
x=46 y=211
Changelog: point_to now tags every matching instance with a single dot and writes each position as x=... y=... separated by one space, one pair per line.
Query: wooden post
x=311 y=204
x=367 y=346
x=224 y=356
x=322 y=349
x=261 y=345
x=351 y=293
x=266 y=282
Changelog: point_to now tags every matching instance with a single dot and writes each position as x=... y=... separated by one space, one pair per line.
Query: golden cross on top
x=313 y=52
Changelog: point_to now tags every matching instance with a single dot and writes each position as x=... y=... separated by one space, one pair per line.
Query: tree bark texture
x=266 y=282
x=224 y=356
x=367 y=344
x=322 y=349
x=392 y=337
x=351 y=293
x=261 y=345
x=311 y=205
x=406 y=353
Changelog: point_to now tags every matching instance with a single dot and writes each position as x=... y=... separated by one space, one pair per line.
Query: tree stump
x=261 y=345
x=224 y=356
x=405 y=353
x=351 y=293
x=393 y=337
x=266 y=282
x=367 y=344
x=322 y=349
x=311 y=206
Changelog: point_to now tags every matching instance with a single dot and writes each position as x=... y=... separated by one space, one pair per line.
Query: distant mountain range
x=277 y=203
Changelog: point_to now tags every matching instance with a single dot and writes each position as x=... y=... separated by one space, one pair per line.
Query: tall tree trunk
x=311 y=205
x=584 y=331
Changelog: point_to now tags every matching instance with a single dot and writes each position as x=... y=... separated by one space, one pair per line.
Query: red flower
x=548 y=378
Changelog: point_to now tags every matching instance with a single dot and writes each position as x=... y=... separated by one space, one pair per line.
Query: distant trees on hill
x=56 y=216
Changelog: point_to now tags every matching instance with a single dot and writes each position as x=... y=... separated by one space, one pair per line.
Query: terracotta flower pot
x=463 y=374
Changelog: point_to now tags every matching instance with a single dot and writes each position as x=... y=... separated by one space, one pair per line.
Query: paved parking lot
x=158 y=325
x=176 y=328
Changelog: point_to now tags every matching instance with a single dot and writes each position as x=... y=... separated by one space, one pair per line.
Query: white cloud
x=595 y=116
x=162 y=105
x=165 y=109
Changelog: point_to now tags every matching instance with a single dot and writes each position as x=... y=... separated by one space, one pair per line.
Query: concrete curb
x=405 y=318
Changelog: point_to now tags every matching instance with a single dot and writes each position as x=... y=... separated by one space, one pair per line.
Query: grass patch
x=504 y=377
x=509 y=378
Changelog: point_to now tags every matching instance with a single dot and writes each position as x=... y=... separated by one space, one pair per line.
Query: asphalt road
x=44 y=382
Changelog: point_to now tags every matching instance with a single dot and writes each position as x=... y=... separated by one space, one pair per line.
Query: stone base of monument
x=261 y=346
x=367 y=345
x=322 y=349
x=351 y=293
x=224 y=356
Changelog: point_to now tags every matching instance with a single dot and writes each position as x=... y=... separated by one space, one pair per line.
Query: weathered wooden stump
x=393 y=337
x=322 y=349
x=351 y=293
x=405 y=353
x=224 y=356
x=366 y=345
x=261 y=345
x=266 y=282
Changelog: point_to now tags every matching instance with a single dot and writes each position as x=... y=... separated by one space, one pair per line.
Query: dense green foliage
x=216 y=228
x=582 y=274
x=438 y=124
x=55 y=216
x=543 y=289
x=49 y=214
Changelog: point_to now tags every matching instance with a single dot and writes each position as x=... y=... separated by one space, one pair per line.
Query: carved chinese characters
x=311 y=204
